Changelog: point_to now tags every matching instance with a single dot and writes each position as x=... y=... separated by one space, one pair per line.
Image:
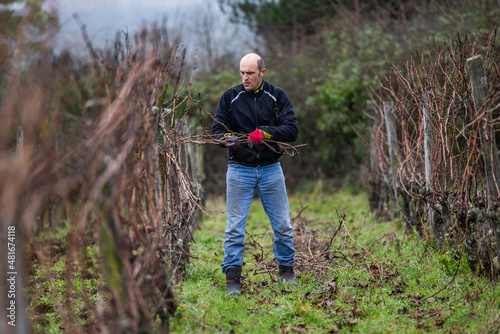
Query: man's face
x=251 y=77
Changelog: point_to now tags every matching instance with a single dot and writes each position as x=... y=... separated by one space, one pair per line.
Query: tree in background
x=25 y=28
x=280 y=23
x=24 y=23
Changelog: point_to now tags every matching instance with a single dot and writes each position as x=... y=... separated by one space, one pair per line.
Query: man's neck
x=260 y=87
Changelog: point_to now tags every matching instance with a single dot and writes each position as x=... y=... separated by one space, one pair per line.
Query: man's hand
x=255 y=137
x=231 y=141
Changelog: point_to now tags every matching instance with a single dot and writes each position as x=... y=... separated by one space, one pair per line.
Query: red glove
x=255 y=137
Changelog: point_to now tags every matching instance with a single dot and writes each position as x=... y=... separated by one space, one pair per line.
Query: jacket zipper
x=256 y=116
x=255 y=111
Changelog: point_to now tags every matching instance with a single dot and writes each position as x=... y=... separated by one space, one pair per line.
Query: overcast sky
x=103 y=18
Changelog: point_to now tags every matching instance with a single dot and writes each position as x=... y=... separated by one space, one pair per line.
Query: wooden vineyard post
x=477 y=74
x=490 y=151
x=374 y=181
x=370 y=105
x=427 y=143
x=20 y=138
x=437 y=225
x=390 y=125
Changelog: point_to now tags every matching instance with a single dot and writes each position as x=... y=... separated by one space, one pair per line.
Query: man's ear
x=263 y=71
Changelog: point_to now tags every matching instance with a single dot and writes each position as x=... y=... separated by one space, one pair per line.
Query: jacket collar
x=258 y=90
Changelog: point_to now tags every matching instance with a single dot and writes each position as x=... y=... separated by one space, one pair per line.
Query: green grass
x=49 y=291
x=365 y=296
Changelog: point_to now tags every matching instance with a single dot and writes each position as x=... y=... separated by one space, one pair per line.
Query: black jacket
x=268 y=108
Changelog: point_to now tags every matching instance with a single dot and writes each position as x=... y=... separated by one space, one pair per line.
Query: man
x=248 y=115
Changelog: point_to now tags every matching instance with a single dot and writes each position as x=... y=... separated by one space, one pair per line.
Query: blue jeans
x=241 y=182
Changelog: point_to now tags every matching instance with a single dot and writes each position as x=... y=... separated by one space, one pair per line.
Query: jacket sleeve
x=286 y=128
x=222 y=122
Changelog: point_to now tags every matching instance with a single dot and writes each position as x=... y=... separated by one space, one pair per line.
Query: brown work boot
x=233 y=285
x=287 y=276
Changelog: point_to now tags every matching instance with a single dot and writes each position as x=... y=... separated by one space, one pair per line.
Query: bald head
x=252 y=70
x=253 y=58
